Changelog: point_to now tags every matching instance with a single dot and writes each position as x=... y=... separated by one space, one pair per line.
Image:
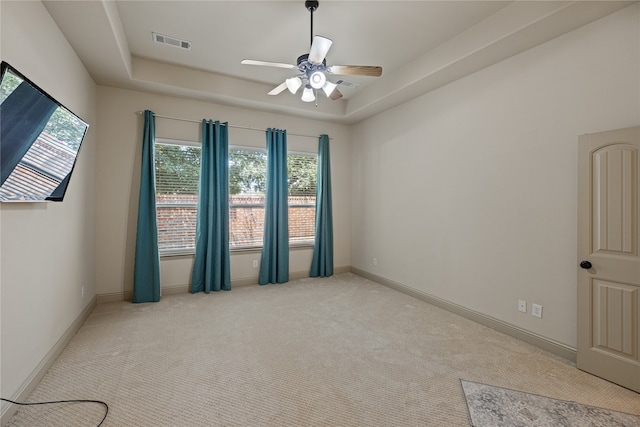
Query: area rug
x=491 y=406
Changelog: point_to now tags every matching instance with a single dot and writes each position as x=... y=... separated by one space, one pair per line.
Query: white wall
x=469 y=193
x=47 y=250
x=118 y=172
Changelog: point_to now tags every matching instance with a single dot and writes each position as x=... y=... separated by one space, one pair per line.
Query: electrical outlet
x=82 y=291
x=522 y=306
x=255 y=263
x=375 y=261
x=536 y=310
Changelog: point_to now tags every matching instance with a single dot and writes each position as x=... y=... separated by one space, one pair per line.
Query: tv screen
x=39 y=141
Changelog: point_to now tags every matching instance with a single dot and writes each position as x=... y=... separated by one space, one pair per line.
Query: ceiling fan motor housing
x=304 y=63
x=307 y=68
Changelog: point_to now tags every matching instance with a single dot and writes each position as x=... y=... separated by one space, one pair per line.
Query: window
x=247 y=184
x=301 y=169
x=177 y=171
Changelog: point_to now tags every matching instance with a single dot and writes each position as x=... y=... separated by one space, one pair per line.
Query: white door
x=609 y=273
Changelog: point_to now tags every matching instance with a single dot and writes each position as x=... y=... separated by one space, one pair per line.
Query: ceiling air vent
x=171 y=41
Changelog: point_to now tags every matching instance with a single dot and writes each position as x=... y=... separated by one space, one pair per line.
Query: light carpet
x=491 y=406
x=338 y=351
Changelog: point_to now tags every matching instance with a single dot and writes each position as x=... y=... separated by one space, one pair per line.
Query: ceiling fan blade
x=356 y=70
x=335 y=95
x=319 y=49
x=276 y=90
x=347 y=83
x=267 y=63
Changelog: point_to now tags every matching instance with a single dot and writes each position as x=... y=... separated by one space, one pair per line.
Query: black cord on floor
x=106 y=407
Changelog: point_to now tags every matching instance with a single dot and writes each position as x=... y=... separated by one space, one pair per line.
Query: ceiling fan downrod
x=311 y=6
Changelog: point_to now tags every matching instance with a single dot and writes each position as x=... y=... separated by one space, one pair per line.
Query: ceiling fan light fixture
x=307 y=94
x=328 y=88
x=317 y=80
x=293 y=84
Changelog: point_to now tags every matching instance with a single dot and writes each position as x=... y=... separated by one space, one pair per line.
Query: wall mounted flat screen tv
x=39 y=141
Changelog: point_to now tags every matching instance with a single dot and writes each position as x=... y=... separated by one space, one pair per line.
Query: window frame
x=236 y=205
x=176 y=142
x=190 y=252
x=311 y=243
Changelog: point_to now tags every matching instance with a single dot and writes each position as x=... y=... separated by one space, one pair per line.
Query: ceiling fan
x=312 y=68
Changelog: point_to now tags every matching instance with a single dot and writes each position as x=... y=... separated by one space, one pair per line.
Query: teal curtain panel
x=322 y=260
x=274 y=265
x=211 y=263
x=146 y=272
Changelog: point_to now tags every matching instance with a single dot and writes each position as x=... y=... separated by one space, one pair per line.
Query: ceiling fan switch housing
x=311 y=5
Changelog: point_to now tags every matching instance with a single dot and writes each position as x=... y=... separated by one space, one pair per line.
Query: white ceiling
x=421 y=45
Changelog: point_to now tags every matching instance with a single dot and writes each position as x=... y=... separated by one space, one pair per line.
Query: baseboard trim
x=342 y=270
x=115 y=297
x=181 y=289
x=539 y=341
x=36 y=375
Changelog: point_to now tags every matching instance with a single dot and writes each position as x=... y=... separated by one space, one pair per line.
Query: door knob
x=585 y=264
